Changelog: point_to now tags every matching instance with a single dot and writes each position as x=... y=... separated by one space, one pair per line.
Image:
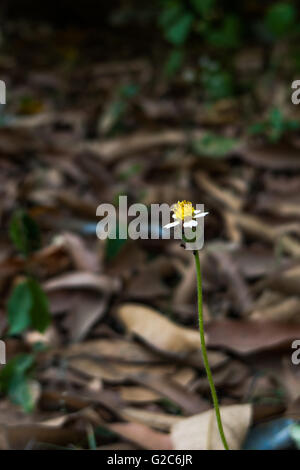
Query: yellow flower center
x=183 y=210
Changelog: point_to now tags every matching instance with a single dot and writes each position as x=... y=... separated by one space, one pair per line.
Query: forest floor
x=120 y=365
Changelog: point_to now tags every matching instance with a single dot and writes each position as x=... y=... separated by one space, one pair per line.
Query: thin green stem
x=204 y=352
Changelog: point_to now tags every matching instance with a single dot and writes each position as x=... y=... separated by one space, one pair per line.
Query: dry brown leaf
x=115 y=373
x=83 y=259
x=189 y=402
x=226 y=197
x=284 y=310
x=184 y=376
x=143 y=436
x=200 y=432
x=19 y=436
x=279 y=157
x=136 y=394
x=157 y=330
x=247 y=337
x=154 y=419
x=84 y=280
x=146 y=285
x=260 y=229
x=238 y=288
x=117 y=349
x=89 y=308
x=110 y=150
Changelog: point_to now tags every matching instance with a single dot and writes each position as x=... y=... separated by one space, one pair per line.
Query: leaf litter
x=122 y=354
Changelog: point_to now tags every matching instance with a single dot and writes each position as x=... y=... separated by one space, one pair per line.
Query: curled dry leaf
x=245 y=337
x=83 y=259
x=138 y=394
x=142 y=435
x=281 y=157
x=19 y=436
x=84 y=280
x=286 y=309
x=113 y=149
x=200 y=432
x=189 y=402
x=154 y=419
x=112 y=349
x=89 y=308
x=114 y=373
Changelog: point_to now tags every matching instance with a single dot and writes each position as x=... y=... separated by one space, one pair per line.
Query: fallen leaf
x=84 y=280
x=83 y=259
x=157 y=330
x=245 y=337
x=19 y=436
x=113 y=149
x=200 y=432
x=189 y=402
x=89 y=308
x=142 y=435
x=154 y=419
x=117 y=349
x=114 y=373
x=136 y=394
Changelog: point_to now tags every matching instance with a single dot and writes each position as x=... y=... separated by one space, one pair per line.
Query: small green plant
x=275 y=126
x=214 y=146
x=27 y=307
x=179 y=20
x=280 y=19
x=15 y=381
x=28 y=304
x=116 y=110
x=217 y=82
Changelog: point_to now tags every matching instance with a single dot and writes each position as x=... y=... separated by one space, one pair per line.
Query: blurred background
x=160 y=101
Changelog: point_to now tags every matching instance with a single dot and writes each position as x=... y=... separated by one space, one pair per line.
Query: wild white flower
x=185 y=214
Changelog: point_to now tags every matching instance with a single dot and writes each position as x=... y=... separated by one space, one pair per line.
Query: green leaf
x=174 y=62
x=280 y=18
x=39 y=313
x=171 y=11
x=217 y=83
x=178 y=32
x=227 y=36
x=129 y=91
x=19 y=393
x=114 y=245
x=19 y=306
x=204 y=7
x=24 y=233
x=257 y=128
x=216 y=146
x=14 y=380
x=19 y=365
x=276 y=124
x=28 y=306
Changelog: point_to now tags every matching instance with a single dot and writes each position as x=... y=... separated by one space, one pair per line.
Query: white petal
x=190 y=223
x=172 y=224
x=197 y=211
x=202 y=214
x=174 y=216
